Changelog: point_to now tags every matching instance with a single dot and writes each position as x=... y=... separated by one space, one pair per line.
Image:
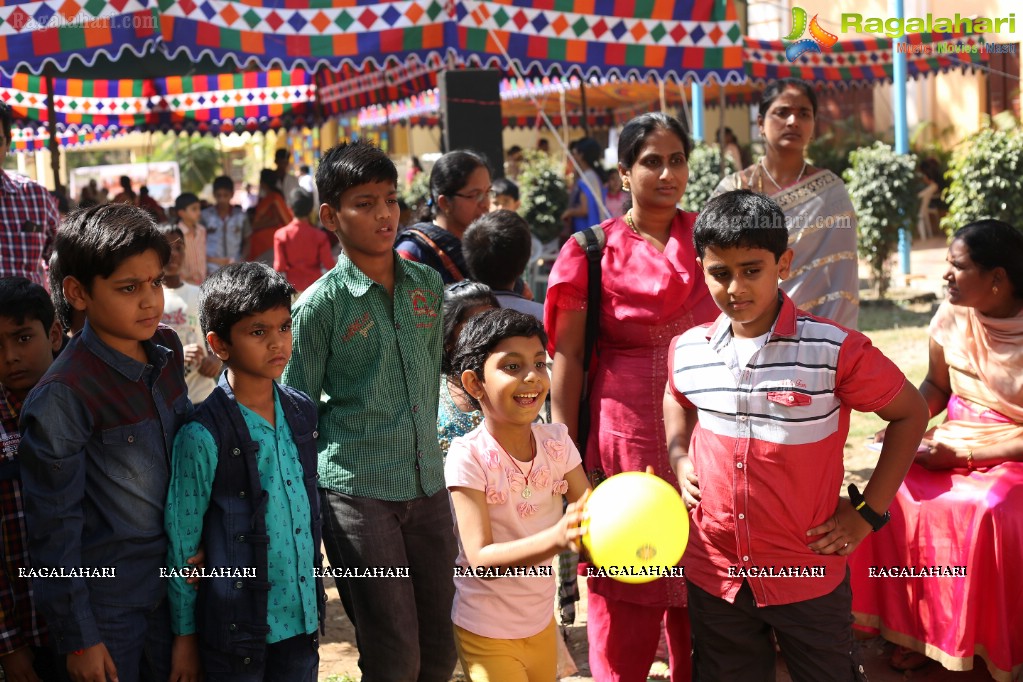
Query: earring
x=625 y=185
x=994 y=290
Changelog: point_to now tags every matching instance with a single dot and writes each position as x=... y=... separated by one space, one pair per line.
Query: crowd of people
x=183 y=427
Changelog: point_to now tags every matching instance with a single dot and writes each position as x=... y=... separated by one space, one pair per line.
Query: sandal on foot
x=659 y=671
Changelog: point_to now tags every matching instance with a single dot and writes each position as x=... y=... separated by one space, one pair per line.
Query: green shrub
x=544 y=195
x=417 y=194
x=883 y=186
x=985 y=179
x=832 y=149
x=704 y=176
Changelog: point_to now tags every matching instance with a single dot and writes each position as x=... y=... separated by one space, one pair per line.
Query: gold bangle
x=969 y=460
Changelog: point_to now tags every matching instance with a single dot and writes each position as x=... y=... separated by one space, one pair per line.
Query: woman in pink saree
x=958 y=516
x=651 y=290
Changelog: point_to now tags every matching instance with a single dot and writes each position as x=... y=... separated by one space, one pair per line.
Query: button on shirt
x=28 y=226
x=291 y=603
x=769 y=445
x=371 y=359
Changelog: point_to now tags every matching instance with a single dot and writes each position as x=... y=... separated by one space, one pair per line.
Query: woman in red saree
x=958 y=517
x=651 y=290
x=270 y=213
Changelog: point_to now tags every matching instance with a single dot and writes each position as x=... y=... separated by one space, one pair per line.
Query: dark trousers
x=402 y=625
x=734 y=642
x=296 y=659
x=138 y=640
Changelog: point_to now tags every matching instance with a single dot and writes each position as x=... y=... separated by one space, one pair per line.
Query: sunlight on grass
x=901 y=334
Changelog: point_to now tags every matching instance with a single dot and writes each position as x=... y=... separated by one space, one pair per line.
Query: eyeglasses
x=479 y=196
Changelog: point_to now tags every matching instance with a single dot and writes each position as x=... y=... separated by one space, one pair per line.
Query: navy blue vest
x=231 y=614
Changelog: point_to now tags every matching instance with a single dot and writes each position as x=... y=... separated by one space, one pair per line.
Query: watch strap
x=876 y=521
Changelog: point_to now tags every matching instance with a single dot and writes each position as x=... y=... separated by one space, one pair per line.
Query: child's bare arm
x=907 y=418
x=679 y=423
x=478 y=541
x=185 y=666
x=578 y=484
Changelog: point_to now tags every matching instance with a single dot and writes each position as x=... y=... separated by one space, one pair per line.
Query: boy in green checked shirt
x=367 y=341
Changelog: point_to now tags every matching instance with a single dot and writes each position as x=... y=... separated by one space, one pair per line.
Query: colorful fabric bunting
x=864 y=61
x=26 y=140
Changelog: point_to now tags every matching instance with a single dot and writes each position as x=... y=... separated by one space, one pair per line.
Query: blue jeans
x=296 y=659
x=402 y=625
x=139 y=640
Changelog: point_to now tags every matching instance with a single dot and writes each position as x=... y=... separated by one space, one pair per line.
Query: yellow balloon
x=638 y=527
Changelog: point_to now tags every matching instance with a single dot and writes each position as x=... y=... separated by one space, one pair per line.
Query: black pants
x=733 y=641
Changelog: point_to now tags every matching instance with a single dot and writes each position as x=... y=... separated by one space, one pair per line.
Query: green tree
x=884 y=189
x=704 y=176
x=544 y=195
x=198 y=157
x=985 y=178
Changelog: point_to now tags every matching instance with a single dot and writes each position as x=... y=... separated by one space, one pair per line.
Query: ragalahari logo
x=818 y=36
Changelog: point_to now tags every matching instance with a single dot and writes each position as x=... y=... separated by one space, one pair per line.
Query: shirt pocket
x=789 y=398
x=130 y=451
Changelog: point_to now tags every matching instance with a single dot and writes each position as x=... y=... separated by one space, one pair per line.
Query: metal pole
x=697 y=88
x=54 y=144
x=901 y=125
x=721 y=127
x=586 y=111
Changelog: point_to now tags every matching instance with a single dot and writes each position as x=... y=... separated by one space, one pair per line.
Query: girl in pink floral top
x=507 y=478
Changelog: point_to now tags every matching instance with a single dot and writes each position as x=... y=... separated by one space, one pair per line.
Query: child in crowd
x=189 y=212
x=261 y=625
x=301 y=251
x=368 y=350
x=227 y=227
x=95 y=452
x=29 y=338
x=181 y=313
x=504 y=194
x=615 y=199
x=773 y=387
x=507 y=478
x=496 y=249
x=456 y=416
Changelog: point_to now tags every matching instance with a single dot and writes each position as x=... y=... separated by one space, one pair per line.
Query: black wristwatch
x=875 y=520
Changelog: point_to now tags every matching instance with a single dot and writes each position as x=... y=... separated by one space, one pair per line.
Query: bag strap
x=592 y=241
x=445 y=259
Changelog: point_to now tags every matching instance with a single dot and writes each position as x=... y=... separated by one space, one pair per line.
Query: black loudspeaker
x=470 y=107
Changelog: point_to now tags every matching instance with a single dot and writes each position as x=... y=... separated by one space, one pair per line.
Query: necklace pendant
x=527 y=493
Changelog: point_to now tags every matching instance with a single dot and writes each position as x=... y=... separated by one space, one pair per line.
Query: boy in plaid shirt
x=29 y=337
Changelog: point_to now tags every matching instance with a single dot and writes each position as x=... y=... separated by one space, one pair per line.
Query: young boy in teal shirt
x=244 y=488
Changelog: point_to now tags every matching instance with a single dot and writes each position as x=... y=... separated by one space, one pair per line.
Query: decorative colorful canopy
x=669 y=38
x=347 y=89
x=35 y=34
x=609 y=101
x=864 y=61
x=621 y=38
x=36 y=139
x=222 y=103
x=234 y=102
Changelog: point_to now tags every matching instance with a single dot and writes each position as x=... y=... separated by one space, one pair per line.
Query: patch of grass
x=900 y=332
x=340 y=678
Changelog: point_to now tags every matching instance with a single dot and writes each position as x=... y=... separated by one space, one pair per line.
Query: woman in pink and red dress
x=651 y=290
x=961 y=504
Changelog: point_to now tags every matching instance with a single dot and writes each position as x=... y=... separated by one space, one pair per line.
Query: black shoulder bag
x=592 y=240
